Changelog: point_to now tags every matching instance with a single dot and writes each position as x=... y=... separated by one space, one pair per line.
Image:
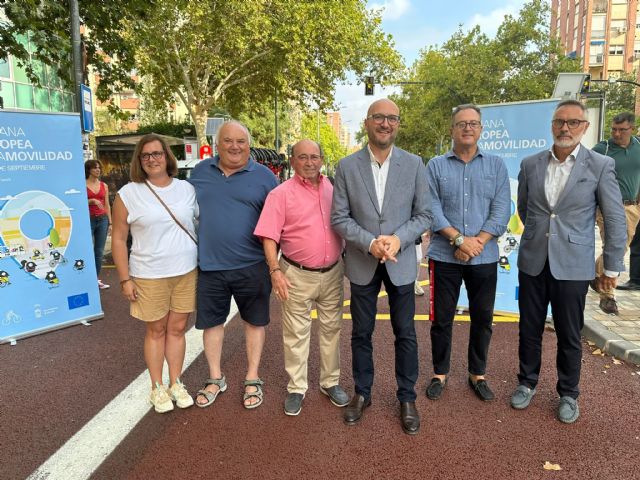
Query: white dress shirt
x=380 y=172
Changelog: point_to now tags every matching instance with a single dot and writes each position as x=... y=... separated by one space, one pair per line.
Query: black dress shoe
x=435 y=388
x=482 y=390
x=355 y=409
x=630 y=285
x=409 y=417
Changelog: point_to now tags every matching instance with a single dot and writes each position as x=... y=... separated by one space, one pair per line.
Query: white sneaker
x=103 y=286
x=417 y=289
x=179 y=394
x=160 y=399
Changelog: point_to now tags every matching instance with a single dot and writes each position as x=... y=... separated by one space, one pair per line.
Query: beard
x=566 y=142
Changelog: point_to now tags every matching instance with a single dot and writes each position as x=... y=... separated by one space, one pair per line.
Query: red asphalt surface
x=52 y=384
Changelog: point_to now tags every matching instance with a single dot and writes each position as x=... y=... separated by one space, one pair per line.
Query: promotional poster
x=47 y=269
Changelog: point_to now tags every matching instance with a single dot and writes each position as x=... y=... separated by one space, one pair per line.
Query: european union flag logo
x=77 y=301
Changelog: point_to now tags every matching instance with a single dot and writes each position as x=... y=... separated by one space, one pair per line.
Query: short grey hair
x=234 y=122
x=465 y=106
x=571 y=103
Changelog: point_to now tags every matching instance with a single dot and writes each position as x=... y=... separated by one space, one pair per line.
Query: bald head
x=382 y=123
x=383 y=103
x=306 y=160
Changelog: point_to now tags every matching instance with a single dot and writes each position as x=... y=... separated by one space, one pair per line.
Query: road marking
x=83 y=453
x=499 y=317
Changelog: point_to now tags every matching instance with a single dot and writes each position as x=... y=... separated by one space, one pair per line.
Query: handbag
x=170 y=212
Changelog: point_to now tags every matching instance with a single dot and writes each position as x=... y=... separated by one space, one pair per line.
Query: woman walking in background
x=159 y=278
x=99 y=212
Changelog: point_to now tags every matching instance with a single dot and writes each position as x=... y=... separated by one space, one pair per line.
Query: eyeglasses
x=147 y=156
x=572 y=124
x=304 y=157
x=473 y=125
x=620 y=130
x=379 y=119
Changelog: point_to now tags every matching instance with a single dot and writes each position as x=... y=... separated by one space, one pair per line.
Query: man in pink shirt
x=296 y=216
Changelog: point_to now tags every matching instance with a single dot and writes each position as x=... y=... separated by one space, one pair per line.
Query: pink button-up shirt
x=297 y=216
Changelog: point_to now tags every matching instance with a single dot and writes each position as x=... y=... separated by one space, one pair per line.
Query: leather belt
x=309 y=269
x=630 y=202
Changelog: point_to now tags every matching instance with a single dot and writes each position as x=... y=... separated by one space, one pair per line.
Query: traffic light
x=586 y=83
x=368 y=85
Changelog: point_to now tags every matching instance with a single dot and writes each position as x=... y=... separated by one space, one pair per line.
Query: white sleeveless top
x=160 y=247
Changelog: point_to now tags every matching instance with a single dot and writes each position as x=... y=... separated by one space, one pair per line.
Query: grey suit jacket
x=566 y=234
x=357 y=217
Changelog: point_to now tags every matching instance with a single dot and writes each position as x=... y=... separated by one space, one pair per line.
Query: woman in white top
x=159 y=277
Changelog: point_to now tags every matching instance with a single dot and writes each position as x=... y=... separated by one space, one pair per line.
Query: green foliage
x=520 y=63
x=620 y=97
x=46 y=24
x=260 y=121
x=316 y=128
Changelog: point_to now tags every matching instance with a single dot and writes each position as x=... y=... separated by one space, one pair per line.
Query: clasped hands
x=385 y=248
x=471 y=247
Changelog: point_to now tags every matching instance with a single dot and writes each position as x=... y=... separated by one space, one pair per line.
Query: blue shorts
x=249 y=286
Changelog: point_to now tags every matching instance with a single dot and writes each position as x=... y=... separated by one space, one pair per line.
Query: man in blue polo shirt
x=231 y=189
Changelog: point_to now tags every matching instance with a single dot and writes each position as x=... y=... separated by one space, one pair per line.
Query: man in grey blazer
x=558 y=193
x=380 y=206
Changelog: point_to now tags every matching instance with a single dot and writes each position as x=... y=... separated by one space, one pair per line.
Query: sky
x=414 y=25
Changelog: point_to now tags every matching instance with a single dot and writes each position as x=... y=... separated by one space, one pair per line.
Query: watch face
x=459 y=241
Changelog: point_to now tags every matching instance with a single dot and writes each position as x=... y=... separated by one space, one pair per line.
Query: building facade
x=604 y=34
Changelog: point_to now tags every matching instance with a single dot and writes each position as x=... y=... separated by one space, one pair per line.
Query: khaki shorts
x=158 y=296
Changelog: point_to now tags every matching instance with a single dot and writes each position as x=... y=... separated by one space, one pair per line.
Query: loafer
x=337 y=395
x=630 y=285
x=568 y=411
x=409 y=418
x=482 y=390
x=355 y=409
x=609 y=306
x=293 y=404
x=435 y=388
x=521 y=398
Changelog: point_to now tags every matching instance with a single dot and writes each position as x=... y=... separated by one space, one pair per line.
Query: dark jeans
x=634 y=257
x=480 y=281
x=567 y=299
x=99 y=229
x=364 y=299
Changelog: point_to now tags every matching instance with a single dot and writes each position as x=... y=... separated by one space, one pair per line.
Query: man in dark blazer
x=380 y=206
x=558 y=193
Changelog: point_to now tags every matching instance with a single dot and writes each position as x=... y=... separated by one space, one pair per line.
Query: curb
x=610 y=342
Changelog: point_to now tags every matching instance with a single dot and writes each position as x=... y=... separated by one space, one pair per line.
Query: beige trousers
x=326 y=291
x=632 y=213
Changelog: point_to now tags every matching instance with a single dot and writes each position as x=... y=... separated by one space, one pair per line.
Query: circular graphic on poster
x=35 y=228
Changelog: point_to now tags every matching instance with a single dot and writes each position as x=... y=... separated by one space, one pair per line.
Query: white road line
x=83 y=453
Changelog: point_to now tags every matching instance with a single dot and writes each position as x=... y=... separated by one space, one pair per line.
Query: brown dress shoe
x=609 y=306
x=409 y=417
x=355 y=409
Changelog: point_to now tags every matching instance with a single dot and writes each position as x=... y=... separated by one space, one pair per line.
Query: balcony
x=598 y=33
x=596 y=59
x=600 y=6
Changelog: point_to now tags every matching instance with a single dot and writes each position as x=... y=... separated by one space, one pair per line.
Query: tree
x=46 y=24
x=520 y=63
x=620 y=97
x=236 y=53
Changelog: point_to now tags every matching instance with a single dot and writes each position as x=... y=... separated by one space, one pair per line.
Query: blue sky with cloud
x=416 y=24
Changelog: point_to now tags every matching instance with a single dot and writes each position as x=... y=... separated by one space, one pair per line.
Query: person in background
x=624 y=148
x=159 y=278
x=99 y=212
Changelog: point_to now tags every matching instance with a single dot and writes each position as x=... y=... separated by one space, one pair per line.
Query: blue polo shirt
x=229 y=211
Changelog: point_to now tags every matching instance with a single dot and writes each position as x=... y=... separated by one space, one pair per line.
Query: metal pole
x=77 y=54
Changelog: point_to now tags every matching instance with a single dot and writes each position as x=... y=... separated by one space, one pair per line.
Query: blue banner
x=47 y=268
x=513 y=131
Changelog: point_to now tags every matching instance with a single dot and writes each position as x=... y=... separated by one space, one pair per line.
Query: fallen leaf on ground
x=607 y=366
x=590 y=343
x=597 y=351
x=617 y=362
x=551 y=466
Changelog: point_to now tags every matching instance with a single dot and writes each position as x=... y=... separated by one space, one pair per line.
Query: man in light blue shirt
x=471 y=207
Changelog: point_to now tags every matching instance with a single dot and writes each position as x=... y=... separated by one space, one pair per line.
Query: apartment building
x=334 y=119
x=604 y=34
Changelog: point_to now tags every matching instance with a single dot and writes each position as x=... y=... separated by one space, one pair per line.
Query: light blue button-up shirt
x=471 y=197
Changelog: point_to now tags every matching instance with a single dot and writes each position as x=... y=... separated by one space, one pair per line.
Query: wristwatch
x=457 y=240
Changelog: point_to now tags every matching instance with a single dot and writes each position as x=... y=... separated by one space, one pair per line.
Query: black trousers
x=634 y=257
x=567 y=299
x=364 y=299
x=480 y=281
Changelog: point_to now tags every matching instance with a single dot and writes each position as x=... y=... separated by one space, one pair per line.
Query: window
x=616 y=50
x=24 y=96
x=7 y=94
x=41 y=99
x=57 y=103
x=5 y=68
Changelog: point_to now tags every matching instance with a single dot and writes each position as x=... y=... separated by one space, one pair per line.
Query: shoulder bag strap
x=170 y=212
